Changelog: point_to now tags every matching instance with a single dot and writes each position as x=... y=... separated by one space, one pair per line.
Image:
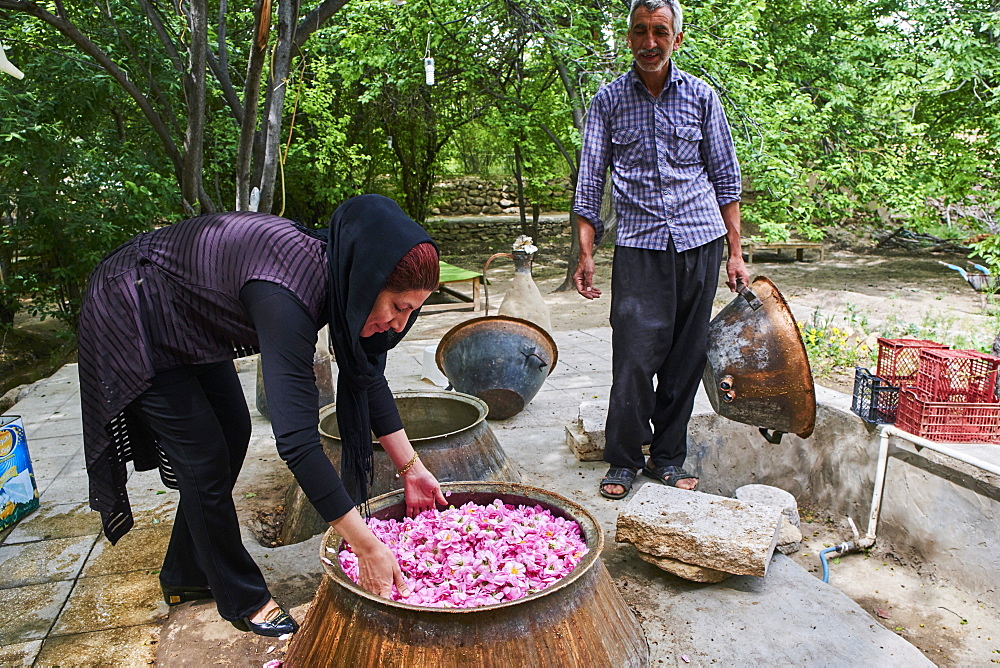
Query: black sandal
x=669 y=475
x=618 y=475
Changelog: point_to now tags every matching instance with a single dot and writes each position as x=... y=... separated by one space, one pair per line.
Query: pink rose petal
x=477 y=555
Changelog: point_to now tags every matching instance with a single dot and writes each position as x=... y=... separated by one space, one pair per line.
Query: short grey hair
x=652 y=5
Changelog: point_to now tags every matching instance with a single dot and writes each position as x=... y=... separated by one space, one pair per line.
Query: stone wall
x=469 y=195
x=481 y=233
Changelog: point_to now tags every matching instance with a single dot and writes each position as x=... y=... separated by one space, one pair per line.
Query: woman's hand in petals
x=378 y=570
x=421 y=490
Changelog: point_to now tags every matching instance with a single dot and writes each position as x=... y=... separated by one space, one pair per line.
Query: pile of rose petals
x=477 y=555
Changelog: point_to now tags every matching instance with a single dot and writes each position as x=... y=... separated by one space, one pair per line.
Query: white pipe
x=881 y=467
x=943 y=449
x=883 y=459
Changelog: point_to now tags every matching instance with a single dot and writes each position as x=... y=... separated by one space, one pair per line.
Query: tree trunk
x=573 y=93
x=519 y=180
x=287 y=13
x=194 y=87
x=251 y=91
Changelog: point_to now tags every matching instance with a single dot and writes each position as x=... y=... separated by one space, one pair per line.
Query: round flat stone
x=771 y=496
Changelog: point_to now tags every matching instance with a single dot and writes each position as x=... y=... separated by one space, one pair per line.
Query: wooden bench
x=800 y=247
x=452 y=274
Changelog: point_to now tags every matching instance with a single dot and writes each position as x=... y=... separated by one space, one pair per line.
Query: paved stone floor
x=67 y=597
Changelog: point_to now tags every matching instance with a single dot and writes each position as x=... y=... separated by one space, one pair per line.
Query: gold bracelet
x=409 y=465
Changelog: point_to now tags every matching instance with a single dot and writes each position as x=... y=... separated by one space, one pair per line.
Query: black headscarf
x=369 y=235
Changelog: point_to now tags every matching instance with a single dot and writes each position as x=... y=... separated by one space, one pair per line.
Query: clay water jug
x=523 y=299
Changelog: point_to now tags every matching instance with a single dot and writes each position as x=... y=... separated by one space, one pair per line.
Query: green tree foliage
x=368 y=105
x=876 y=111
x=846 y=111
x=147 y=125
x=71 y=185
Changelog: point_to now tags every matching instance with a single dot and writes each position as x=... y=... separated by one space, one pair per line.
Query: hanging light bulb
x=429 y=71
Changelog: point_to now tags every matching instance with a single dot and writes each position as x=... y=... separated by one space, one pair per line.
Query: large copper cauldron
x=758 y=372
x=580 y=621
x=500 y=359
x=447 y=429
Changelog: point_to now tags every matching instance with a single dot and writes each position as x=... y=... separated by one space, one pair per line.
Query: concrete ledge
x=935 y=510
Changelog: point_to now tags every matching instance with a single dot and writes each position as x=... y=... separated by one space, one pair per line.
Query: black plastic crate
x=875 y=400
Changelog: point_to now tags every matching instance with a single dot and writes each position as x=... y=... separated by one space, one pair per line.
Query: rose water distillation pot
x=758 y=371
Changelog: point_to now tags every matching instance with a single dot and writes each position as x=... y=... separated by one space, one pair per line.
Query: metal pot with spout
x=501 y=360
x=758 y=371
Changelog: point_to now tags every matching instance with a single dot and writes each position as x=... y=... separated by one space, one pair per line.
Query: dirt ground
x=862 y=292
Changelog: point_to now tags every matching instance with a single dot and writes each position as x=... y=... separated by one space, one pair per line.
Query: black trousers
x=661 y=303
x=200 y=418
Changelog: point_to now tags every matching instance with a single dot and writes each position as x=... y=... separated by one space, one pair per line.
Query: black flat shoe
x=276 y=623
x=177 y=595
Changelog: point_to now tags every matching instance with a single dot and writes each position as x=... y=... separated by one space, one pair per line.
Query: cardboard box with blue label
x=18 y=492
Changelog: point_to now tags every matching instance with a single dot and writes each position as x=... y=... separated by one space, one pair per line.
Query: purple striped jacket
x=167 y=298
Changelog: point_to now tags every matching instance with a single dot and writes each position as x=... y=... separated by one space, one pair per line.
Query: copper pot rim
x=464 y=329
x=589 y=526
x=801 y=348
x=480 y=405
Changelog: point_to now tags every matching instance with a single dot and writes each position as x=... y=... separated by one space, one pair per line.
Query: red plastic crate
x=898 y=359
x=964 y=376
x=948 y=421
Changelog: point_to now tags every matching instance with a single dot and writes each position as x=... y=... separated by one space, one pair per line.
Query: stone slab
x=585 y=437
x=24 y=564
x=126 y=646
x=686 y=571
x=582 y=446
x=593 y=416
x=789 y=618
x=109 y=601
x=138 y=550
x=20 y=654
x=789 y=537
x=27 y=613
x=701 y=529
x=62 y=520
x=771 y=496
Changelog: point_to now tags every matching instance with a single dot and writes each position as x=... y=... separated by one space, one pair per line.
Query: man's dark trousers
x=661 y=303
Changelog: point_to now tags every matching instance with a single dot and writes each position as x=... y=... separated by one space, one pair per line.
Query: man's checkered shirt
x=672 y=162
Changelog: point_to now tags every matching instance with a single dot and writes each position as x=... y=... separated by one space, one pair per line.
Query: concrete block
x=686 y=571
x=582 y=446
x=771 y=496
x=586 y=437
x=789 y=537
x=592 y=416
x=700 y=529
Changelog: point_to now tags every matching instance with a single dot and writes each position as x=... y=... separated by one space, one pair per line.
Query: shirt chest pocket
x=627 y=146
x=684 y=144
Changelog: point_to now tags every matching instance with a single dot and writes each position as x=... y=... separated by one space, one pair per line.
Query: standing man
x=676 y=185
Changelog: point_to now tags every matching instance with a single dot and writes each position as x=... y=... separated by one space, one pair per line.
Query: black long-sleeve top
x=287 y=336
